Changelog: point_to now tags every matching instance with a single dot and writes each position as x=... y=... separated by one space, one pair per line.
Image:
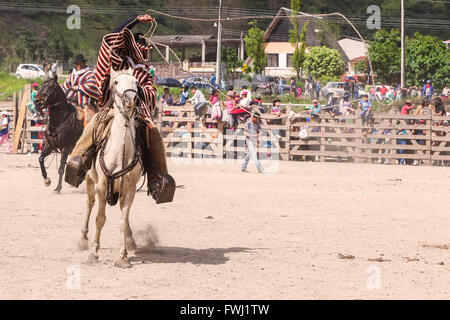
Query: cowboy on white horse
x=122 y=50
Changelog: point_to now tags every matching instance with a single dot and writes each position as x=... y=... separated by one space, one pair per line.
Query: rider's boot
x=160 y=184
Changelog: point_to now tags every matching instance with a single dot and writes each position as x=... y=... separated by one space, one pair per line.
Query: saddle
x=160 y=184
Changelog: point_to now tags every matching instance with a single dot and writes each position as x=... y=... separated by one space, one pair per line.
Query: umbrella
x=169 y=82
x=348 y=78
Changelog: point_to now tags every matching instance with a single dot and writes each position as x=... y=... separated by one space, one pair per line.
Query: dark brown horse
x=62 y=127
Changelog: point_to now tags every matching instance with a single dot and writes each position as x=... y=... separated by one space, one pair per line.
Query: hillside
x=34 y=29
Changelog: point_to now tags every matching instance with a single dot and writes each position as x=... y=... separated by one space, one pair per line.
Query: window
x=272 y=60
x=289 y=60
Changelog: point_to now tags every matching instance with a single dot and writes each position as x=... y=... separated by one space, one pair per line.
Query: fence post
x=288 y=132
x=359 y=138
x=430 y=133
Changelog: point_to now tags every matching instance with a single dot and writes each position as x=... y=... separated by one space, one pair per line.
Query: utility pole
x=219 y=44
x=402 y=80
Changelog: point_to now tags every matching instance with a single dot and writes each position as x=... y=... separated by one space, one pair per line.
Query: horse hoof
x=123 y=263
x=92 y=258
x=57 y=191
x=47 y=182
x=83 y=245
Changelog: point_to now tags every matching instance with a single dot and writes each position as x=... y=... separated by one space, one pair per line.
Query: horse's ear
x=55 y=78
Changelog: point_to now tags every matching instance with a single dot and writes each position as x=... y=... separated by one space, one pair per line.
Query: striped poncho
x=87 y=86
x=120 y=52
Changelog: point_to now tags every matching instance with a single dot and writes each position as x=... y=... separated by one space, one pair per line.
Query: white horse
x=117 y=168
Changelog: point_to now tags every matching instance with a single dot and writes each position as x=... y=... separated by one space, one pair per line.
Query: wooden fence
x=387 y=138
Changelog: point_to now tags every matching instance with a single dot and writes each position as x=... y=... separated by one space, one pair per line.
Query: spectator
x=230 y=105
x=258 y=102
x=421 y=108
x=407 y=107
x=276 y=111
x=46 y=67
x=280 y=86
x=251 y=131
x=167 y=98
x=4 y=130
x=299 y=92
x=315 y=109
x=213 y=79
x=317 y=88
x=439 y=109
x=445 y=92
x=249 y=93
x=293 y=87
x=199 y=102
x=372 y=93
x=214 y=97
x=383 y=91
x=401 y=142
x=427 y=90
x=184 y=96
x=55 y=68
x=30 y=105
x=366 y=107
x=345 y=106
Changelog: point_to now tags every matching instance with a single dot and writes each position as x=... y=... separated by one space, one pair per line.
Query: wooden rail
x=387 y=138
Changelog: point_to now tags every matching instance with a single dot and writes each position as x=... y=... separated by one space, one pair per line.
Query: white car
x=29 y=71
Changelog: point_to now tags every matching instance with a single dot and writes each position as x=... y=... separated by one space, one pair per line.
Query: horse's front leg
x=90 y=191
x=62 y=167
x=100 y=221
x=45 y=152
x=126 y=200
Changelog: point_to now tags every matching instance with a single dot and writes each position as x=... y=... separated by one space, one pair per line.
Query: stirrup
x=162 y=188
x=75 y=172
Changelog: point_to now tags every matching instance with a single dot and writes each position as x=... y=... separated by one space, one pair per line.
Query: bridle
x=45 y=103
x=112 y=197
x=121 y=109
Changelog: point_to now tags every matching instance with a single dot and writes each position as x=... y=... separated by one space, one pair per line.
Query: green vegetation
x=254 y=44
x=324 y=62
x=426 y=57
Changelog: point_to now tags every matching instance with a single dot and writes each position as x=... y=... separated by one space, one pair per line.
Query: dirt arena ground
x=311 y=231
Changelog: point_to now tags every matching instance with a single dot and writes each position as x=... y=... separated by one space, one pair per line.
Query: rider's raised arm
x=130 y=23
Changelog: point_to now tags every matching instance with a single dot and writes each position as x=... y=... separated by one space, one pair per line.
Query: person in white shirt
x=199 y=102
x=249 y=94
x=245 y=100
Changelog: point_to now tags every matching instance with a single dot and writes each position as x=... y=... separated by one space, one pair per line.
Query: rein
x=112 y=197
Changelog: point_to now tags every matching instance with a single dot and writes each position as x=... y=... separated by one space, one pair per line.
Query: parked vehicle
x=265 y=89
x=259 y=79
x=29 y=71
x=340 y=88
x=199 y=82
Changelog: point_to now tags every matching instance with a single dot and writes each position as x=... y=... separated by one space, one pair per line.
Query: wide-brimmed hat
x=4 y=113
x=79 y=58
x=408 y=102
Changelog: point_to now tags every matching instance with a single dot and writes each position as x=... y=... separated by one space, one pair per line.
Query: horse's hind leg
x=45 y=152
x=90 y=191
x=126 y=201
x=62 y=167
x=99 y=221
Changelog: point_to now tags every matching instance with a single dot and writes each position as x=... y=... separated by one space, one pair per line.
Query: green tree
x=427 y=58
x=230 y=59
x=254 y=45
x=324 y=62
x=297 y=38
x=384 y=53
